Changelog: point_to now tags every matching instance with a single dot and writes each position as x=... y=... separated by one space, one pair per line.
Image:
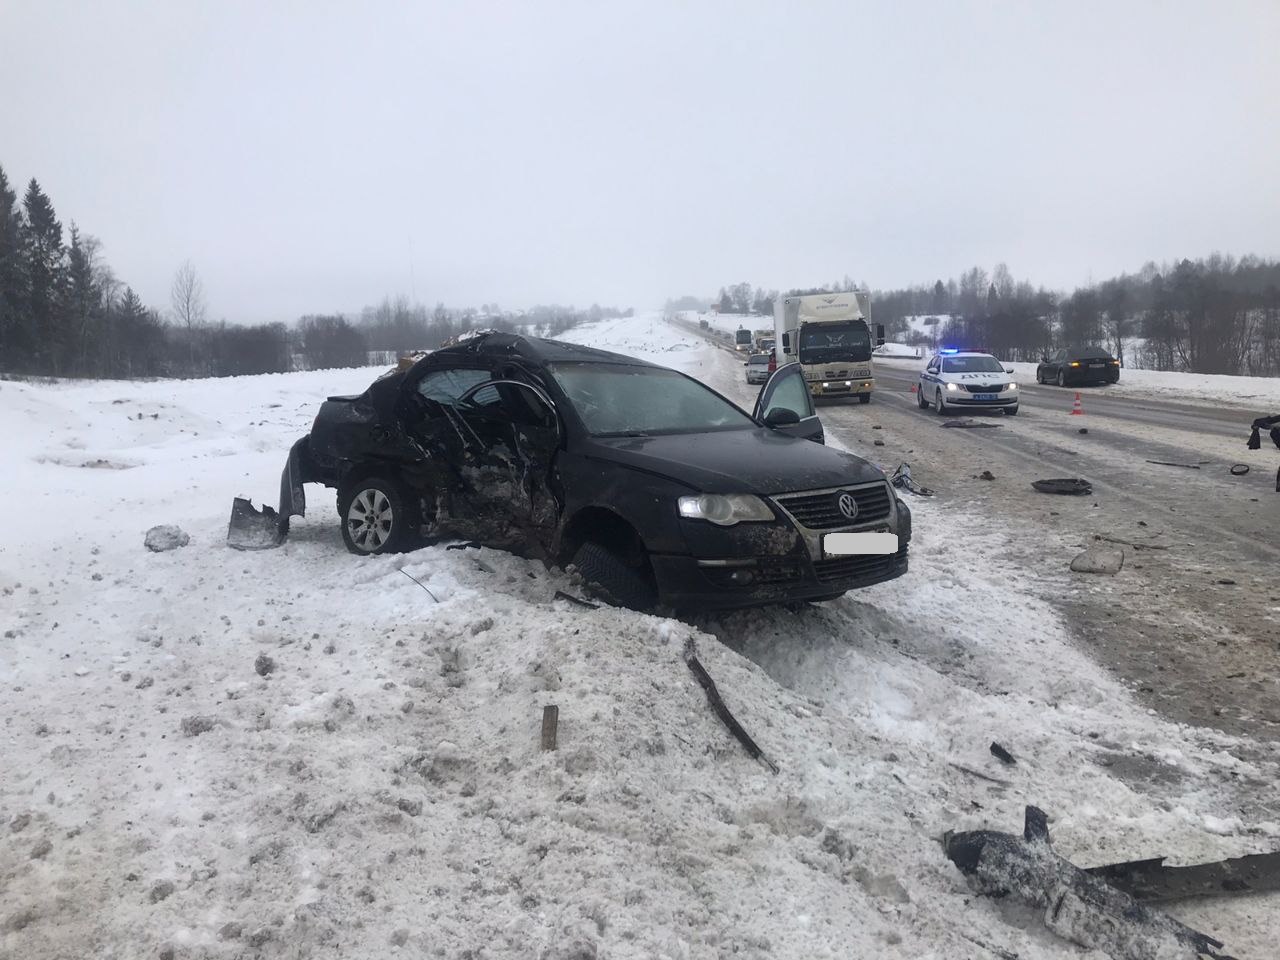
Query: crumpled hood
x=760 y=461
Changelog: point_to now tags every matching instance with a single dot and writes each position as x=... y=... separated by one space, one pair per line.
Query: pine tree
x=13 y=282
x=44 y=258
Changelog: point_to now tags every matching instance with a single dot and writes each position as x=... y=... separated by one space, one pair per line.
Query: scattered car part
x=1078 y=906
x=985 y=475
x=1001 y=754
x=968 y=424
x=1071 y=486
x=252 y=529
x=1166 y=463
x=420 y=583
x=577 y=601
x=718 y=706
x=1130 y=543
x=1150 y=881
x=1083 y=430
x=1239 y=469
x=902 y=479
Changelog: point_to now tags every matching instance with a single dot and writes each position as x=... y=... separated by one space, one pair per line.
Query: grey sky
x=538 y=152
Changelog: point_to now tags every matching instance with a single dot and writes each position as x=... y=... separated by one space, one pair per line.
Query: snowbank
x=298 y=752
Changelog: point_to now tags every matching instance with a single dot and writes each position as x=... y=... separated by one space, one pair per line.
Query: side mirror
x=746 y=363
x=780 y=417
x=1044 y=359
x=1008 y=369
x=879 y=334
x=786 y=342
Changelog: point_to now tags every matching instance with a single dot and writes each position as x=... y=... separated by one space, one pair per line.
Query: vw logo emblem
x=848 y=506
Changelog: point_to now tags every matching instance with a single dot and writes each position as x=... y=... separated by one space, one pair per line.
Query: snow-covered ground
x=301 y=753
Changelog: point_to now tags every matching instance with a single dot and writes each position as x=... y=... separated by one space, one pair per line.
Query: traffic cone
x=1076 y=409
x=915 y=387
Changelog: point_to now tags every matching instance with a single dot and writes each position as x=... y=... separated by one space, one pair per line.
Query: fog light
x=848 y=383
x=825 y=385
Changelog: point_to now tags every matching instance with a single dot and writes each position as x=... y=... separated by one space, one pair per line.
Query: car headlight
x=725 y=509
x=953 y=386
x=1013 y=386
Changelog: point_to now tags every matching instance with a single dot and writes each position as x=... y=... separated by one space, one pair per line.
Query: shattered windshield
x=616 y=400
x=971 y=365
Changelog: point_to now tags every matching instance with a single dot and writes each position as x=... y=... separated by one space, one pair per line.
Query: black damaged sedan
x=657 y=488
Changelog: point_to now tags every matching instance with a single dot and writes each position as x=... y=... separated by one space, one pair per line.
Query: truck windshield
x=832 y=342
x=621 y=400
x=744 y=336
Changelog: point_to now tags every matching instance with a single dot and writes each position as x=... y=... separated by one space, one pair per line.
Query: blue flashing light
x=949 y=350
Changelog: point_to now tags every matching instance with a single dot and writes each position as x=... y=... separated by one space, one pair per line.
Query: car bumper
x=757 y=378
x=952 y=399
x=841 y=388
x=686 y=585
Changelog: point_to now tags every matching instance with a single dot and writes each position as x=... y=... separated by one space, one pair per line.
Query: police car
x=955 y=379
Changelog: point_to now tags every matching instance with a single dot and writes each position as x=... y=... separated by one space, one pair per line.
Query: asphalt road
x=1192 y=621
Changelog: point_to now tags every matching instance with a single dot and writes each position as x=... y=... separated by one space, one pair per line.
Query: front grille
x=857 y=567
x=821 y=511
x=986 y=387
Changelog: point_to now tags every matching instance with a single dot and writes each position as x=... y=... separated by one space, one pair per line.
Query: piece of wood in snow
x=550 y=723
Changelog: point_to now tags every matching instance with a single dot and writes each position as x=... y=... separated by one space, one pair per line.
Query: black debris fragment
x=561 y=595
x=1239 y=469
x=1001 y=754
x=1151 y=881
x=985 y=475
x=1065 y=485
x=469 y=544
x=420 y=583
x=1078 y=906
x=1166 y=463
x=718 y=706
x=902 y=479
x=1083 y=430
x=967 y=423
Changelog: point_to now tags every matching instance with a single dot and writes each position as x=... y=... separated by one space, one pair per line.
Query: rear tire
x=377 y=516
x=864 y=398
x=618 y=582
x=921 y=401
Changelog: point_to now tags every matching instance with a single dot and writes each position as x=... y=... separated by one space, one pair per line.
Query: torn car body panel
x=1078 y=906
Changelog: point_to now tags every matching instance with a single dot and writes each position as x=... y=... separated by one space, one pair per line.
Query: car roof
x=536 y=350
x=966 y=353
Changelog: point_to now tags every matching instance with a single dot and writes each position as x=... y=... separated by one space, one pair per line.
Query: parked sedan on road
x=656 y=487
x=1078 y=365
x=758 y=368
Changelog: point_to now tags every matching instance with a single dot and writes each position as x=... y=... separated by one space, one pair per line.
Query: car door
x=930 y=371
x=506 y=451
x=785 y=404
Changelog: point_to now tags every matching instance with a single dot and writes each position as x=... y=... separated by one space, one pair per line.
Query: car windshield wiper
x=624 y=433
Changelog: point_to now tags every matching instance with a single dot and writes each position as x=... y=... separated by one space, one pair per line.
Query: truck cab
x=829 y=336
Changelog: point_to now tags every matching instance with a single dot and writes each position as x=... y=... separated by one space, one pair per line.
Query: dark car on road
x=1079 y=365
x=657 y=488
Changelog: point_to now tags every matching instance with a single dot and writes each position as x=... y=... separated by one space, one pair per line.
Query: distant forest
x=1213 y=315
x=64 y=313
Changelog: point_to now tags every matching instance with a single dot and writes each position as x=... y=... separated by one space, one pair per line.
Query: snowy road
x=299 y=753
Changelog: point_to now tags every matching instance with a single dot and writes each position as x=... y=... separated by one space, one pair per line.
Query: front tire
x=376 y=516
x=864 y=398
x=620 y=583
x=1011 y=411
x=1039 y=375
x=1062 y=379
x=938 y=405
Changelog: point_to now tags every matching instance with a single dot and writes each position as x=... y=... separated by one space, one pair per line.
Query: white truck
x=829 y=335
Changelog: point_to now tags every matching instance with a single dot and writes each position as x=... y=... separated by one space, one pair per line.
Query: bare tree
x=186 y=296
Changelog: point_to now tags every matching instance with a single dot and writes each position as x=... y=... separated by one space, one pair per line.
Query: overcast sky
x=311 y=157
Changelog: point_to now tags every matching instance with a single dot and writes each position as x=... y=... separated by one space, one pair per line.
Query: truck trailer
x=829 y=335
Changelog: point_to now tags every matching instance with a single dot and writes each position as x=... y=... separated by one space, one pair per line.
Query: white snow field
x=301 y=753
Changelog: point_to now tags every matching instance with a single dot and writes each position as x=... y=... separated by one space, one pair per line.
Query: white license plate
x=1096 y=366
x=986 y=396
x=853 y=543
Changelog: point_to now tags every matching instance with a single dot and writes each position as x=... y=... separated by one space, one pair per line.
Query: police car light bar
x=949 y=350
